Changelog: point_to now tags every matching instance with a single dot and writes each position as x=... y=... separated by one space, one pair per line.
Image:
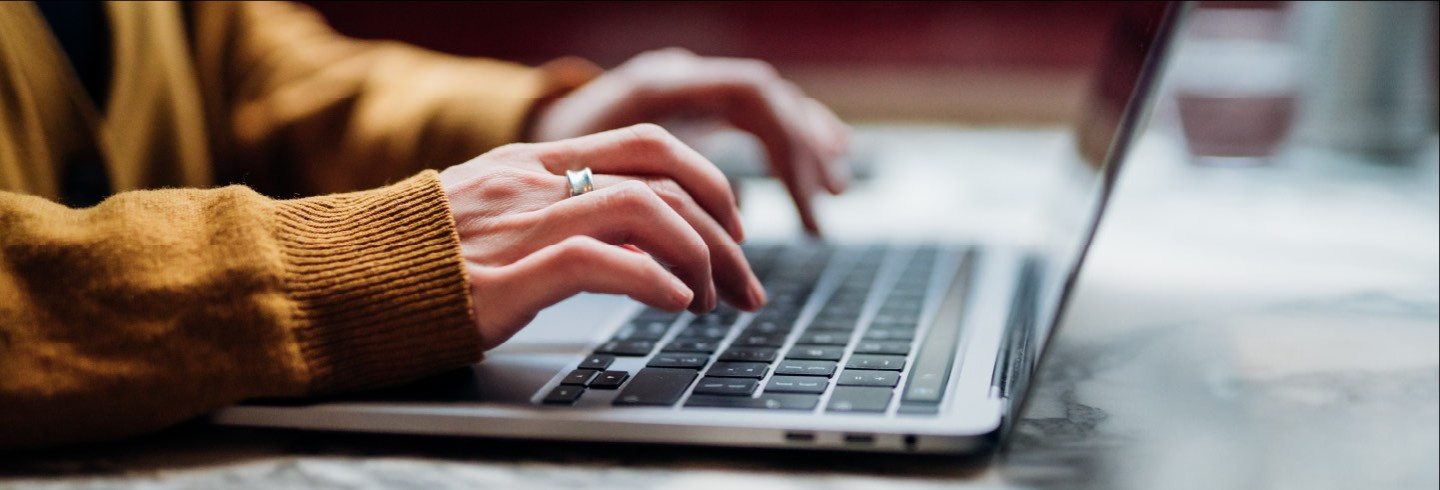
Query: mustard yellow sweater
x=175 y=297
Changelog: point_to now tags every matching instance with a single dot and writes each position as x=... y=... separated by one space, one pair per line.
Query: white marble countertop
x=1269 y=327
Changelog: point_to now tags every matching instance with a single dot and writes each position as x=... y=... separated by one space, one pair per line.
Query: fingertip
x=736 y=230
x=680 y=294
x=701 y=303
x=837 y=179
x=807 y=220
x=757 y=296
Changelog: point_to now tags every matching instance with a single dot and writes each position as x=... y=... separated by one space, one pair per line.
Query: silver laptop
x=923 y=348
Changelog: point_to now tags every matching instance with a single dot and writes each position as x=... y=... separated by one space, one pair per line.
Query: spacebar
x=772 y=401
x=931 y=369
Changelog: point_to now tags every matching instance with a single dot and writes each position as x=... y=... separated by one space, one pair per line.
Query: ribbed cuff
x=378 y=284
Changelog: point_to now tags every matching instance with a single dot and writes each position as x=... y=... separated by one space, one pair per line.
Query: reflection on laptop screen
x=1121 y=92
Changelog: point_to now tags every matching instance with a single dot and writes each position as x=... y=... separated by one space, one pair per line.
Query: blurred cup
x=1235 y=85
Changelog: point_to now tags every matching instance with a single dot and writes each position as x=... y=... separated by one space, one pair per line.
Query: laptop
x=876 y=347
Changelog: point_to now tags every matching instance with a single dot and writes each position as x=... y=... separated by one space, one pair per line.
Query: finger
x=513 y=294
x=647 y=149
x=750 y=96
x=832 y=140
x=629 y=213
x=734 y=280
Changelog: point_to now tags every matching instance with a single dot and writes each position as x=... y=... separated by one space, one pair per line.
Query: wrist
x=377 y=283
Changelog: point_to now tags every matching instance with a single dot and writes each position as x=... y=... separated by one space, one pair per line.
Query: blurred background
x=1237 y=87
x=982 y=62
x=990 y=63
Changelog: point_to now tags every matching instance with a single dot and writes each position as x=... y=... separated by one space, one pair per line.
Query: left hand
x=804 y=141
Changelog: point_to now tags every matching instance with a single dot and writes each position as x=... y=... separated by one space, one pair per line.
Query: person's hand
x=527 y=244
x=804 y=141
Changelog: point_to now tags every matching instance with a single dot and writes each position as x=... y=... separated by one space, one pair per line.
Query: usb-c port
x=800 y=436
x=859 y=439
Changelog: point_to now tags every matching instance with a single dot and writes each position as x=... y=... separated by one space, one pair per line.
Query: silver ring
x=580 y=181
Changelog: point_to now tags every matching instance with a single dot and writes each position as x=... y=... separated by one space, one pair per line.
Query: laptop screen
x=1121 y=93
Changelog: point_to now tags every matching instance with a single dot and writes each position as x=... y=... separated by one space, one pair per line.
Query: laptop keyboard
x=852 y=353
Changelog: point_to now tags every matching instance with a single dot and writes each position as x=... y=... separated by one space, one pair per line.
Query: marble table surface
x=1264 y=327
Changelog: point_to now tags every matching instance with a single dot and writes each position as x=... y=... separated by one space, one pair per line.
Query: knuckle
x=578 y=249
x=536 y=180
x=501 y=184
x=654 y=140
x=701 y=253
x=760 y=70
x=650 y=135
x=511 y=149
x=669 y=191
x=633 y=197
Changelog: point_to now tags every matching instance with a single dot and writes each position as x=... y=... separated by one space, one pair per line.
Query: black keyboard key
x=899 y=328
x=824 y=338
x=653 y=315
x=859 y=399
x=626 y=348
x=674 y=360
x=889 y=334
x=695 y=346
x=887 y=318
x=580 y=377
x=755 y=370
x=726 y=386
x=791 y=367
x=797 y=384
x=778 y=315
x=564 y=395
x=876 y=361
x=609 y=380
x=749 y=354
x=762 y=340
x=865 y=377
x=831 y=325
x=815 y=352
x=899 y=305
x=844 y=295
x=711 y=333
x=656 y=386
x=597 y=361
x=769 y=401
x=841 y=309
x=765 y=327
x=651 y=331
x=883 y=347
x=722 y=316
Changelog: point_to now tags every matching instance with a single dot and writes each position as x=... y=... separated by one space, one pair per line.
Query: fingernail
x=680 y=294
x=757 y=294
x=737 y=231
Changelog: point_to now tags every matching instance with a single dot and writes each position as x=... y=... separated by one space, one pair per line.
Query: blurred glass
x=1369 y=76
x=1236 y=84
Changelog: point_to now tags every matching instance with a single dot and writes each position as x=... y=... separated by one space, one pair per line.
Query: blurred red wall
x=977 y=61
x=993 y=33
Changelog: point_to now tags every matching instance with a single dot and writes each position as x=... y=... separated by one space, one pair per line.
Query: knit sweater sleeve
x=157 y=306
x=297 y=108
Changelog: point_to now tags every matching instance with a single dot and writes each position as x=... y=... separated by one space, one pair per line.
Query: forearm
x=157 y=306
x=294 y=103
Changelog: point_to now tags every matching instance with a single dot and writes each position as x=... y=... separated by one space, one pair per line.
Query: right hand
x=527 y=244
x=804 y=141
